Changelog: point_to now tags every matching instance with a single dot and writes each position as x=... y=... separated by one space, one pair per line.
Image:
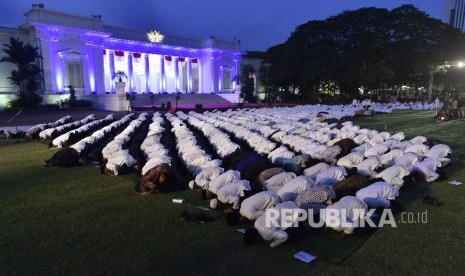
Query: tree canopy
x=371 y=48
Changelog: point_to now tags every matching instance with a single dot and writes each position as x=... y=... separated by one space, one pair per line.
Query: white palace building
x=86 y=54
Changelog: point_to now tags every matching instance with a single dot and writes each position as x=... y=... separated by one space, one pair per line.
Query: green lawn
x=76 y=221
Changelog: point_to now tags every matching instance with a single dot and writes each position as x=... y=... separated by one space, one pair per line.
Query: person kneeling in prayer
x=343 y=216
x=272 y=226
x=231 y=193
x=253 y=207
x=380 y=195
x=157 y=179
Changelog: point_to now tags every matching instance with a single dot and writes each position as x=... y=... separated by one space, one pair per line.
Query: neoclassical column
x=130 y=73
x=176 y=73
x=162 y=71
x=220 y=77
x=111 y=59
x=212 y=74
x=147 y=73
x=189 y=75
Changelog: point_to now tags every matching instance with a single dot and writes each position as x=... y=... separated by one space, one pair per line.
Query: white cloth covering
x=350 y=160
x=368 y=166
x=276 y=182
x=232 y=192
x=393 y=175
x=297 y=185
x=349 y=210
x=331 y=176
x=276 y=234
x=378 y=194
x=254 y=206
x=222 y=180
x=207 y=175
x=314 y=170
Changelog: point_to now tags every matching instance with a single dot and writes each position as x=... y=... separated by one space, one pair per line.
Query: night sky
x=258 y=24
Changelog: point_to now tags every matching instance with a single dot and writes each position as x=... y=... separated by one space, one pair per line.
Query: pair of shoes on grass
x=430 y=200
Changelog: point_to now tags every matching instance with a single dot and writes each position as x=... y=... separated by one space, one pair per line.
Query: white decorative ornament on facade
x=155 y=36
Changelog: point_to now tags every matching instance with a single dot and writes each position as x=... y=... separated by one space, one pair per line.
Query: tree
x=373 y=48
x=26 y=76
x=265 y=78
x=247 y=83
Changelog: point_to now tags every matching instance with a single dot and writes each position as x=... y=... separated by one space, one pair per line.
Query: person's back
x=348 y=209
x=254 y=206
x=276 y=233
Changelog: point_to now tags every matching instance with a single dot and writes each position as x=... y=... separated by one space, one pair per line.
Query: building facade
x=86 y=54
x=455 y=13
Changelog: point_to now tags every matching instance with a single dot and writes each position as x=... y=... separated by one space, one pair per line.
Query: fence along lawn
x=57 y=221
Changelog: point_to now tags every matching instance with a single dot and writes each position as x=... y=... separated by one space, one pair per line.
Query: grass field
x=76 y=221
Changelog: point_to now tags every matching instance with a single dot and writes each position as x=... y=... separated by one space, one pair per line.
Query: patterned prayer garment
x=315 y=198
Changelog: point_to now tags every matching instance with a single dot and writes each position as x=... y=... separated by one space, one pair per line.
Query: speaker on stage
x=198 y=107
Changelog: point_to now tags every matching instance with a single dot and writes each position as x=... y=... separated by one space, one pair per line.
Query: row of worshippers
x=192 y=155
x=366 y=167
x=157 y=174
x=286 y=190
x=53 y=132
x=330 y=175
x=34 y=131
x=67 y=139
x=79 y=152
x=121 y=154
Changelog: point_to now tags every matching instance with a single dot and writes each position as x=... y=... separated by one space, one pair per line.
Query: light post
x=443 y=66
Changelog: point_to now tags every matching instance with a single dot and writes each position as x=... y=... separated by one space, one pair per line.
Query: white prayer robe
x=207 y=175
x=368 y=166
x=254 y=206
x=314 y=170
x=277 y=234
x=394 y=174
x=276 y=182
x=222 y=180
x=232 y=192
x=331 y=176
x=378 y=194
x=349 y=209
x=350 y=160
